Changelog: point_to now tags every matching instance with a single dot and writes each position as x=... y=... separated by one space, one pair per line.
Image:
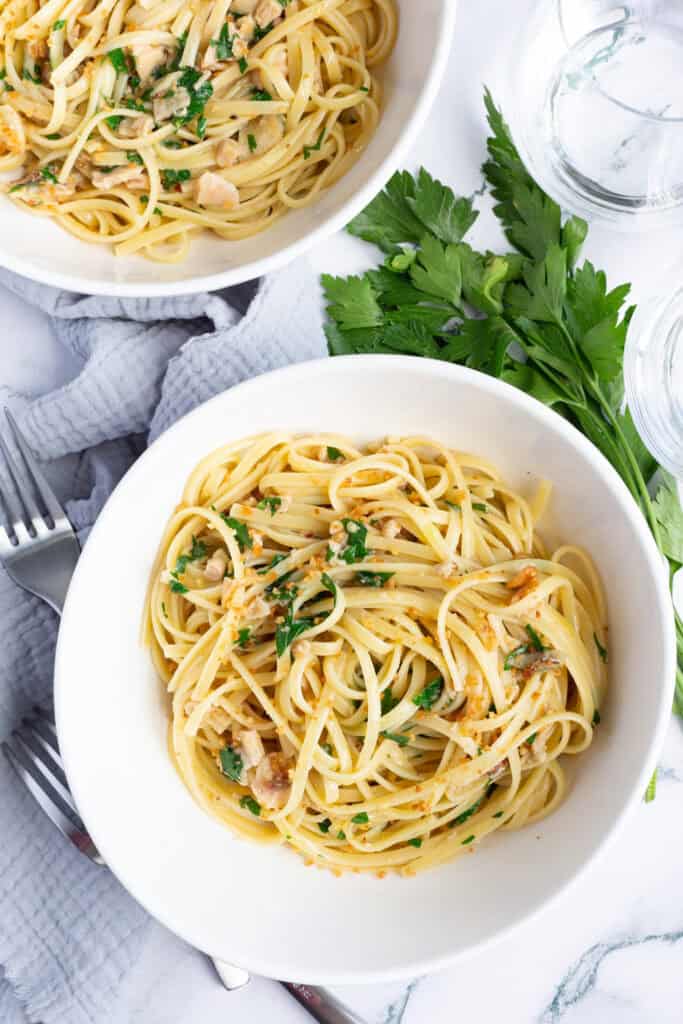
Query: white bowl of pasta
x=381 y=659
x=180 y=149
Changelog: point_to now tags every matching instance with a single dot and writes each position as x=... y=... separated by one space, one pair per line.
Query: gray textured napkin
x=68 y=931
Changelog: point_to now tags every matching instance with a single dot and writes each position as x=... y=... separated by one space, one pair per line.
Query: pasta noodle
x=370 y=654
x=137 y=123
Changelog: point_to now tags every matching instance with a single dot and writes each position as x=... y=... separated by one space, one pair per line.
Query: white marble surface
x=610 y=951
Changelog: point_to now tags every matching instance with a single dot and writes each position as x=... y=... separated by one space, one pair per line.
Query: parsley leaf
x=374 y=579
x=251 y=805
x=232 y=764
x=195 y=554
x=352 y=301
x=329 y=584
x=448 y=218
x=312 y=149
x=223 y=45
x=667 y=509
x=356 y=535
x=333 y=454
x=324 y=825
x=602 y=651
x=272 y=503
x=119 y=60
x=396 y=737
x=361 y=818
x=428 y=697
x=243 y=636
x=240 y=530
x=287 y=631
x=389 y=702
x=536 y=642
x=170 y=177
x=417 y=843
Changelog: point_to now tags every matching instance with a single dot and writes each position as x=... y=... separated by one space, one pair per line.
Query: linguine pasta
x=137 y=123
x=370 y=654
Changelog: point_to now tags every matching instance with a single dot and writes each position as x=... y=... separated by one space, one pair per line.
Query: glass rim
x=626 y=20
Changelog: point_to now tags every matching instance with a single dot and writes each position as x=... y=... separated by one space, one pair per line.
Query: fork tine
x=24 y=489
x=39 y=782
x=9 y=496
x=47 y=494
x=45 y=750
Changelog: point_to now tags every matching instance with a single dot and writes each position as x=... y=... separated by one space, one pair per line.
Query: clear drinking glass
x=653 y=374
x=596 y=107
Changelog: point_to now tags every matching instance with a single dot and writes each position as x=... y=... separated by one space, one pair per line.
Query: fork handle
x=322 y=1005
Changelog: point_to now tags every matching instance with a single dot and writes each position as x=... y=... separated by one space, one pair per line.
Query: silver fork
x=39 y=553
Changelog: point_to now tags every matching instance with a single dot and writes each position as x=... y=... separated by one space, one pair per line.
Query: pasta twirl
x=370 y=655
x=137 y=123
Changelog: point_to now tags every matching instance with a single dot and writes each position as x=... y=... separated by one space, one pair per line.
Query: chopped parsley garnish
x=452 y=504
x=48 y=175
x=287 y=632
x=252 y=805
x=508 y=663
x=172 y=143
x=355 y=549
x=361 y=818
x=314 y=149
x=535 y=638
x=470 y=839
x=201 y=126
x=176 y=586
x=58 y=24
x=329 y=584
x=602 y=651
x=462 y=818
x=272 y=503
x=333 y=454
x=479 y=506
x=530 y=739
x=134 y=157
x=396 y=737
x=374 y=579
x=251 y=139
x=195 y=554
x=199 y=96
x=325 y=825
x=118 y=59
x=651 y=790
x=341 y=835
x=498 y=814
x=364 y=88
x=240 y=530
x=327 y=747
x=596 y=717
x=243 y=65
x=275 y=560
x=32 y=76
x=259 y=33
x=145 y=199
x=428 y=697
x=170 y=178
x=232 y=764
x=53 y=137
x=243 y=636
x=223 y=45
x=417 y=843
x=389 y=702
x=163 y=608
x=261 y=94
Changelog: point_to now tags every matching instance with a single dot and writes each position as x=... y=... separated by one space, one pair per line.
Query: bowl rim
x=271 y=966
x=257 y=268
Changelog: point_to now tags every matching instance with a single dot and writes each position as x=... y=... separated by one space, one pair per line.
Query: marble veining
x=583 y=976
x=396 y=1011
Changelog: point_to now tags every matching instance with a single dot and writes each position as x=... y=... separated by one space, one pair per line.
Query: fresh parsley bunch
x=532 y=317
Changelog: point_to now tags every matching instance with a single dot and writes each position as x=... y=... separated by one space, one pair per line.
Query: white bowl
x=39 y=249
x=261 y=907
